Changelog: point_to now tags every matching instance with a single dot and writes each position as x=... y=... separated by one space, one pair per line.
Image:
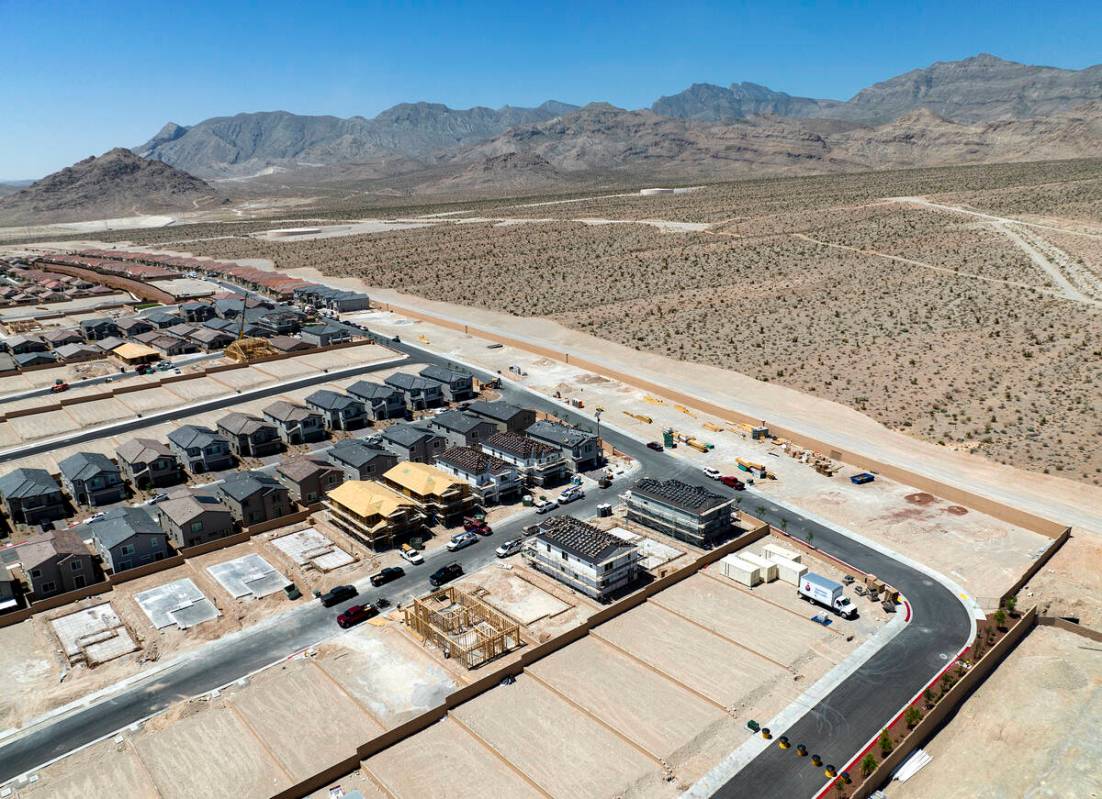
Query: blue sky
x=81 y=77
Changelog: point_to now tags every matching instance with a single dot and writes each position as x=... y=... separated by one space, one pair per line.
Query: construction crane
x=246 y=349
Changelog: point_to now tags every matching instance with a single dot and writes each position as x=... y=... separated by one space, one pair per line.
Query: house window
x=127 y=549
x=36 y=573
x=76 y=566
x=48 y=588
x=197 y=527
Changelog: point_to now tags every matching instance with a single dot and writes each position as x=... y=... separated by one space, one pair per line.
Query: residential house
x=98 y=329
x=91 y=478
x=31 y=496
x=9 y=590
x=281 y=321
x=162 y=318
x=182 y=330
x=57 y=338
x=110 y=343
x=229 y=307
x=295 y=423
x=225 y=325
x=508 y=418
x=192 y=520
x=359 y=460
x=309 y=479
x=339 y=411
x=492 y=480
x=441 y=497
x=55 y=563
x=146 y=463
x=21 y=345
x=196 y=312
x=418 y=392
x=457 y=386
x=250 y=436
x=324 y=335
x=538 y=463
x=381 y=401
x=7 y=363
x=167 y=343
x=590 y=561
x=582 y=450
x=131 y=326
x=376 y=516
x=126 y=538
x=328 y=297
x=25 y=359
x=289 y=344
x=211 y=340
x=681 y=510
x=462 y=429
x=255 y=497
x=77 y=353
x=413 y=442
x=200 y=449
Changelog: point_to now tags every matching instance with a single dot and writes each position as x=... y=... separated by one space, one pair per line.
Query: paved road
x=80 y=436
x=836 y=728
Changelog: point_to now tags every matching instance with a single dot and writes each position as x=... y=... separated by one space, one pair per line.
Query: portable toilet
x=667 y=438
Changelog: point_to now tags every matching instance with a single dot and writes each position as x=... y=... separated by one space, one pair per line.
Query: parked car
x=153 y=500
x=543 y=505
x=461 y=540
x=445 y=574
x=338 y=594
x=477 y=526
x=387 y=575
x=711 y=472
x=731 y=481
x=509 y=548
x=655 y=445
x=411 y=555
x=355 y=614
x=570 y=495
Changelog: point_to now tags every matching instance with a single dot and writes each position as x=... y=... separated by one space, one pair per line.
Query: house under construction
x=462 y=626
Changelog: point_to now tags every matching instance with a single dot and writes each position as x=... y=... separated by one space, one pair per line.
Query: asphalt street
x=836 y=728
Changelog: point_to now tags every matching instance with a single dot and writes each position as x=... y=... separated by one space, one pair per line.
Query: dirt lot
x=1029 y=730
x=1071 y=583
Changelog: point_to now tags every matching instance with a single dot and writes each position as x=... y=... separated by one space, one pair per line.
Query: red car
x=731 y=481
x=477 y=526
x=355 y=614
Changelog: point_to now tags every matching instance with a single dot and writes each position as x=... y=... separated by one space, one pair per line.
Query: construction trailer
x=768 y=568
x=462 y=626
x=777 y=552
x=740 y=571
x=789 y=571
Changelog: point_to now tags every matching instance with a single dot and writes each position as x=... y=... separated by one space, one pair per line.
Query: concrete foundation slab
x=179 y=602
x=248 y=576
x=93 y=635
x=311 y=548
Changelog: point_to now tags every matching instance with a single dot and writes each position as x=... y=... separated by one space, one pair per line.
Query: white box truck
x=777 y=552
x=789 y=571
x=740 y=571
x=818 y=589
x=768 y=568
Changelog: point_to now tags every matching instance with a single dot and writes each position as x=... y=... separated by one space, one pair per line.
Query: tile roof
x=25 y=482
x=678 y=494
x=473 y=461
x=519 y=445
x=582 y=540
x=143 y=450
x=562 y=434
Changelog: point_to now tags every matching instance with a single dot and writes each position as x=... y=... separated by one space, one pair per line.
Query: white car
x=461 y=540
x=712 y=473
x=509 y=548
x=571 y=494
x=543 y=506
x=411 y=555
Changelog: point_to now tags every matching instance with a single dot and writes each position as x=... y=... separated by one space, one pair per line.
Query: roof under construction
x=366 y=498
x=582 y=540
x=680 y=495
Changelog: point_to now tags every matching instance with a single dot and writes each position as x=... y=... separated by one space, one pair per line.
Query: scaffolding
x=462 y=626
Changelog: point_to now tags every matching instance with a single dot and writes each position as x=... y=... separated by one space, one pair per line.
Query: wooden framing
x=462 y=626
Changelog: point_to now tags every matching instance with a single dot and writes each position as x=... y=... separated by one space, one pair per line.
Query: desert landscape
x=898 y=293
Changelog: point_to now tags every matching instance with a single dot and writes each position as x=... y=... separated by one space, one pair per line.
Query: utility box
x=789 y=571
x=759 y=433
x=777 y=552
x=767 y=567
x=740 y=571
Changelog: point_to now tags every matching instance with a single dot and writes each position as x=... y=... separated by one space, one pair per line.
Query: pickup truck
x=411 y=555
x=460 y=541
x=387 y=575
x=731 y=481
x=445 y=574
x=337 y=594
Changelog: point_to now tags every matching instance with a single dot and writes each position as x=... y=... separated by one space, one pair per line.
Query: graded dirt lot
x=1029 y=730
x=103 y=769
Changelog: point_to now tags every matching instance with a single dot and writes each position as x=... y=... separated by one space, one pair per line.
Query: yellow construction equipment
x=697 y=445
x=424 y=339
x=653 y=400
x=639 y=417
x=715 y=428
x=684 y=410
x=750 y=465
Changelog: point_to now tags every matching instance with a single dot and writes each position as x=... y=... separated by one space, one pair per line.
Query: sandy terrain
x=992 y=747
x=1071 y=583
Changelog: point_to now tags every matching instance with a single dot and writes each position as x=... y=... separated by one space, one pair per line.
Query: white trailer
x=828 y=593
x=768 y=568
x=777 y=552
x=740 y=571
x=789 y=571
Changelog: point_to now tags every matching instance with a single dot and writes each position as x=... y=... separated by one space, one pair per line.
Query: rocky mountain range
x=248 y=144
x=116 y=184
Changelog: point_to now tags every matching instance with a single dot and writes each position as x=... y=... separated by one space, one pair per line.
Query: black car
x=338 y=594
x=657 y=447
x=387 y=575
x=445 y=574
